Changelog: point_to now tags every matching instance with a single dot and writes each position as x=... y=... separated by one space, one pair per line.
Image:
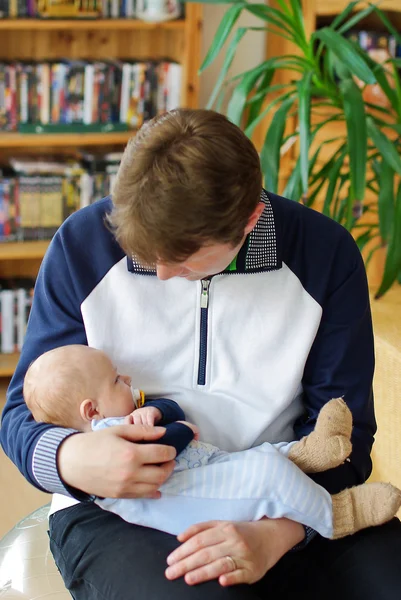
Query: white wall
x=250 y=52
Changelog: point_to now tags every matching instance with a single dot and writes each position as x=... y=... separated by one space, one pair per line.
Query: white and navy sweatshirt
x=250 y=356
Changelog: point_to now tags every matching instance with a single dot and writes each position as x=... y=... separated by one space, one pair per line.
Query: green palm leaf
x=280 y=99
x=385 y=20
x=239 y=34
x=293 y=188
x=386 y=200
x=304 y=99
x=364 y=239
x=362 y=14
x=270 y=155
x=239 y=97
x=223 y=31
x=346 y=53
x=384 y=145
x=333 y=177
x=343 y=15
x=355 y=117
x=393 y=259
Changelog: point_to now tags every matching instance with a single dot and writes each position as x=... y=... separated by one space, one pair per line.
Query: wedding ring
x=232 y=563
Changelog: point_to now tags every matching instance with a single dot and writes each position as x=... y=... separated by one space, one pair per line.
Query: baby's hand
x=147 y=415
x=194 y=428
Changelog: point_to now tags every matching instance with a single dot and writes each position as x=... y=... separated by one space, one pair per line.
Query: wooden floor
x=17 y=497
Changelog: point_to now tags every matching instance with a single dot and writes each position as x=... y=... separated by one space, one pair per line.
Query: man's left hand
x=232 y=552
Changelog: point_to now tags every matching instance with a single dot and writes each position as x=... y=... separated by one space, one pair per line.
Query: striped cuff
x=309 y=535
x=44 y=463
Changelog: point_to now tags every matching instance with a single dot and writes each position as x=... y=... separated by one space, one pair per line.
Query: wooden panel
x=23 y=250
x=191 y=58
x=86 y=24
x=333 y=7
x=93 y=44
x=20 y=268
x=8 y=362
x=18 y=140
x=21 y=259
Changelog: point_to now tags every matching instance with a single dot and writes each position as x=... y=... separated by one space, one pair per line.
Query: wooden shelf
x=35 y=140
x=86 y=24
x=23 y=250
x=334 y=7
x=8 y=363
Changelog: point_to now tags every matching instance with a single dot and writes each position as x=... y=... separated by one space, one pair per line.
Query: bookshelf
x=56 y=140
x=88 y=39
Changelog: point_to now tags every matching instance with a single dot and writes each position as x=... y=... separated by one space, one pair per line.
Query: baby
x=78 y=387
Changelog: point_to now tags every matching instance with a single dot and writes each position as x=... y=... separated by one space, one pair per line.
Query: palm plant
x=325 y=66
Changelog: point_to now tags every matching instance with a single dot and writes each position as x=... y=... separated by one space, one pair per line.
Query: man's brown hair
x=188 y=179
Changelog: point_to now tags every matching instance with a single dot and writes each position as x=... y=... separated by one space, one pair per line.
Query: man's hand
x=147 y=415
x=255 y=547
x=107 y=463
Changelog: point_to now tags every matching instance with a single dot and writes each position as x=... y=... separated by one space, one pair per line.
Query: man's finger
x=205 y=539
x=207 y=572
x=154 y=454
x=156 y=475
x=143 y=490
x=138 y=433
x=233 y=578
x=194 y=529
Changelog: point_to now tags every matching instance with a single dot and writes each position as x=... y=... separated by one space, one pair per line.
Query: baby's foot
x=364 y=506
x=329 y=444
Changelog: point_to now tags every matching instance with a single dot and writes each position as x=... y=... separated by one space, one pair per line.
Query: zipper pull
x=204 y=302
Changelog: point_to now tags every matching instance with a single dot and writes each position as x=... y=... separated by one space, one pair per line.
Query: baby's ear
x=88 y=410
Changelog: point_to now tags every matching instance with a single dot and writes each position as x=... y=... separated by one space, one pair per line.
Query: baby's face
x=115 y=396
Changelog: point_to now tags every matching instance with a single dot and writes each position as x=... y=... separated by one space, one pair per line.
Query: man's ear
x=88 y=410
x=254 y=218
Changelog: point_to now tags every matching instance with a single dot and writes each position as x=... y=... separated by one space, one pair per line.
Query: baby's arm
x=147 y=415
x=178 y=432
x=161 y=411
x=169 y=414
x=169 y=409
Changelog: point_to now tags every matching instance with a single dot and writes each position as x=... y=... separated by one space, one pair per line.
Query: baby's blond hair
x=57 y=382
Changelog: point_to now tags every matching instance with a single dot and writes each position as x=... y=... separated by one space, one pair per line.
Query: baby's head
x=72 y=385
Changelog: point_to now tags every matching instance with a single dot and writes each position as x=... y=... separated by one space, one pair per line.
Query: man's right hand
x=107 y=463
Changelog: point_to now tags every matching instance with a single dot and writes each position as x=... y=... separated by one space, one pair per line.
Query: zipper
x=204 y=308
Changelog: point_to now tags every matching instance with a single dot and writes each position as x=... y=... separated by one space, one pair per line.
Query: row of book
x=114 y=9
x=380 y=46
x=52 y=96
x=15 y=305
x=18 y=9
x=37 y=196
x=142 y=9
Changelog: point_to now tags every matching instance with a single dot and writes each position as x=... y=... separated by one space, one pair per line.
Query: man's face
x=209 y=260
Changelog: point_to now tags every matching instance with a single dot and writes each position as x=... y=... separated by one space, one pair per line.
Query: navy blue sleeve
x=328 y=263
x=341 y=364
x=170 y=410
x=177 y=435
x=67 y=275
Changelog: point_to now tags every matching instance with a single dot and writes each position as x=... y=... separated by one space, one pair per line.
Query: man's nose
x=165 y=272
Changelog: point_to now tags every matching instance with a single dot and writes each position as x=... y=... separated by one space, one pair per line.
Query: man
x=249 y=310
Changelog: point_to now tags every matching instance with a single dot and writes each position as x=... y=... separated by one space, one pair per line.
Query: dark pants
x=100 y=556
